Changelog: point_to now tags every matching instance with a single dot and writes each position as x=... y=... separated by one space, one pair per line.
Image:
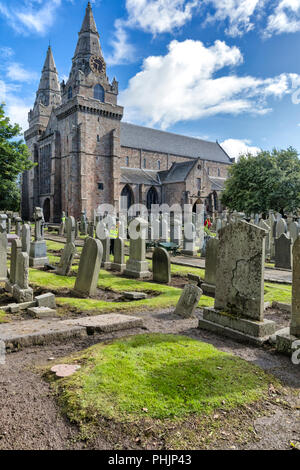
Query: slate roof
x=139 y=176
x=177 y=173
x=165 y=142
x=217 y=183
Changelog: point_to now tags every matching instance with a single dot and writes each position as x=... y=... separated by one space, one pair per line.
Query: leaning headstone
x=283 y=252
x=209 y=285
x=89 y=267
x=119 y=256
x=281 y=227
x=137 y=266
x=239 y=298
x=38 y=248
x=3 y=248
x=294 y=230
x=161 y=266
x=16 y=248
x=26 y=238
x=69 y=252
x=188 y=301
x=287 y=339
x=21 y=290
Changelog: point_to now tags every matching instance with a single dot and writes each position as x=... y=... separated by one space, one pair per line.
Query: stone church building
x=86 y=155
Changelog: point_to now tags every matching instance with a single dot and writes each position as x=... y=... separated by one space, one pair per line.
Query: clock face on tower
x=97 y=64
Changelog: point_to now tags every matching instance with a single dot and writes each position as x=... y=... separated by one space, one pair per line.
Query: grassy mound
x=158 y=376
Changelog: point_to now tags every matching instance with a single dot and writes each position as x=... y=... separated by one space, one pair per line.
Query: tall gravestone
x=283 y=252
x=102 y=234
x=272 y=224
x=288 y=341
x=175 y=228
x=26 y=238
x=161 y=266
x=189 y=240
x=83 y=224
x=239 y=298
x=119 y=256
x=294 y=230
x=91 y=229
x=3 y=248
x=137 y=266
x=281 y=227
x=89 y=267
x=69 y=252
x=38 y=248
x=18 y=222
x=16 y=248
x=21 y=290
x=264 y=226
x=209 y=285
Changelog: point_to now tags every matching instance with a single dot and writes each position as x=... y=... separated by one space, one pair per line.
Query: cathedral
x=86 y=155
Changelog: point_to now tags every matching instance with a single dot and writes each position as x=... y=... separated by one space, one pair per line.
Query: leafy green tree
x=14 y=160
x=270 y=180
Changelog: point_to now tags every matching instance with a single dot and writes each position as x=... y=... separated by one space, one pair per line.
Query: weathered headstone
x=291 y=336
x=38 y=248
x=294 y=230
x=26 y=238
x=137 y=266
x=161 y=266
x=119 y=256
x=18 y=222
x=188 y=301
x=281 y=227
x=189 y=240
x=69 y=252
x=209 y=285
x=239 y=298
x=102 y=234
x=264 y=226
x=16 y=248
x=3 y=248
x=283 y=252
x=83 y=224
x=62 y=224
x=175 y=228
x=91 y=229
x=89 y=267
x=21 y=290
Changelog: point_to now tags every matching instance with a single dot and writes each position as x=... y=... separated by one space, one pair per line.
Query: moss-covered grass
x=3 y=317
x=161 y=376
x=278 y=292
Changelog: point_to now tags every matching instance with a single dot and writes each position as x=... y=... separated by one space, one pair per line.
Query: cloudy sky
x=225 y=70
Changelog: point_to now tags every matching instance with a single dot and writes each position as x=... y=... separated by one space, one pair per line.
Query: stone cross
x=161 y=266
x=89 y=267
x=39 y=224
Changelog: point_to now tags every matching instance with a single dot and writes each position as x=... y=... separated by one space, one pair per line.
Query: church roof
x=166 y=142
x=177 y=173
x=217 y=183
x=139 y=176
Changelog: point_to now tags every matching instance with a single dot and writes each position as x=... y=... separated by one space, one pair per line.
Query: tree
x=14 y=160
x=268 y=181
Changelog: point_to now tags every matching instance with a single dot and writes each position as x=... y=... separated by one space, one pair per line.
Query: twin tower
x=74 y=135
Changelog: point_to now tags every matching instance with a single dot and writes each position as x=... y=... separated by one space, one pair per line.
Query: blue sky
x=220 y=70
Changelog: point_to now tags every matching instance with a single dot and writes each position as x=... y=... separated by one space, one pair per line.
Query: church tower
x=89 y=122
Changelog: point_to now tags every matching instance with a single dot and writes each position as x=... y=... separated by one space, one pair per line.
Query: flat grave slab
x=106 y=323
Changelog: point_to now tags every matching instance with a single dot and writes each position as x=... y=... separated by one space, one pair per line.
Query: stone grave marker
x=188 y=301
x=38 y=248
x=21 y=290
x=161 y=266
x=283 y=252
x=89 y=267
x=3 y=248
x=137 y=266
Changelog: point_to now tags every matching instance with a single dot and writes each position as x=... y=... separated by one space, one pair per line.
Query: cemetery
x=65 y=290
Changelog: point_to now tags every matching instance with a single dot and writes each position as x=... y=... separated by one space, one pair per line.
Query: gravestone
x=83 y=224
x=294 y=230
x=89 y=267
x=175 y=229
x=8 y=228
x=62 y=224
x=188 y=301
x=26 y=238
x=281 y=227
x=272 y=224
x=239 y=298
x=161 y=266
x=287 y=338
x=18 y=222
x=283 y=252
x=189 y=240
x=21 y=290
x=209 y=285
x=137 y=266
x=91 y=229
x=3 y=248
x=38 y=248
x=264 y=226
x=164 y=227
x=102 y=234
x=69 y=252
x=119 y=256
x=16 y=248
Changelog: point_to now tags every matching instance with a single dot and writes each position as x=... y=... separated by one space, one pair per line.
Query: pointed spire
x=88 y=42
x=49 y=89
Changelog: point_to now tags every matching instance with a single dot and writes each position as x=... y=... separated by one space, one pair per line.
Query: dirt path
x=31 y=419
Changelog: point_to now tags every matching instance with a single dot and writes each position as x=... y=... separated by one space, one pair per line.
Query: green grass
x=164 y=376
x=3 y=317
x=278 y=292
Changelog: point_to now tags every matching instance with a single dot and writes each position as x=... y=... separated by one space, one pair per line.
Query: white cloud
x=235 y=148
x=285 y=19
x=238 y=13
x=17 y=73
x=32 y=16
x=182 y=86
x=6 y=52
x=123 y=51
x=16 y=108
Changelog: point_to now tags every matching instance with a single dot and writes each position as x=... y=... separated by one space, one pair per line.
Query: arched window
x=158 y=164
x=152 y=198
x=127 y=199
x=70 y=93
x=99 y=93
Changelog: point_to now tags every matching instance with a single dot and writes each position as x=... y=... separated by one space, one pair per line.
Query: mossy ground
x=161 y=379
